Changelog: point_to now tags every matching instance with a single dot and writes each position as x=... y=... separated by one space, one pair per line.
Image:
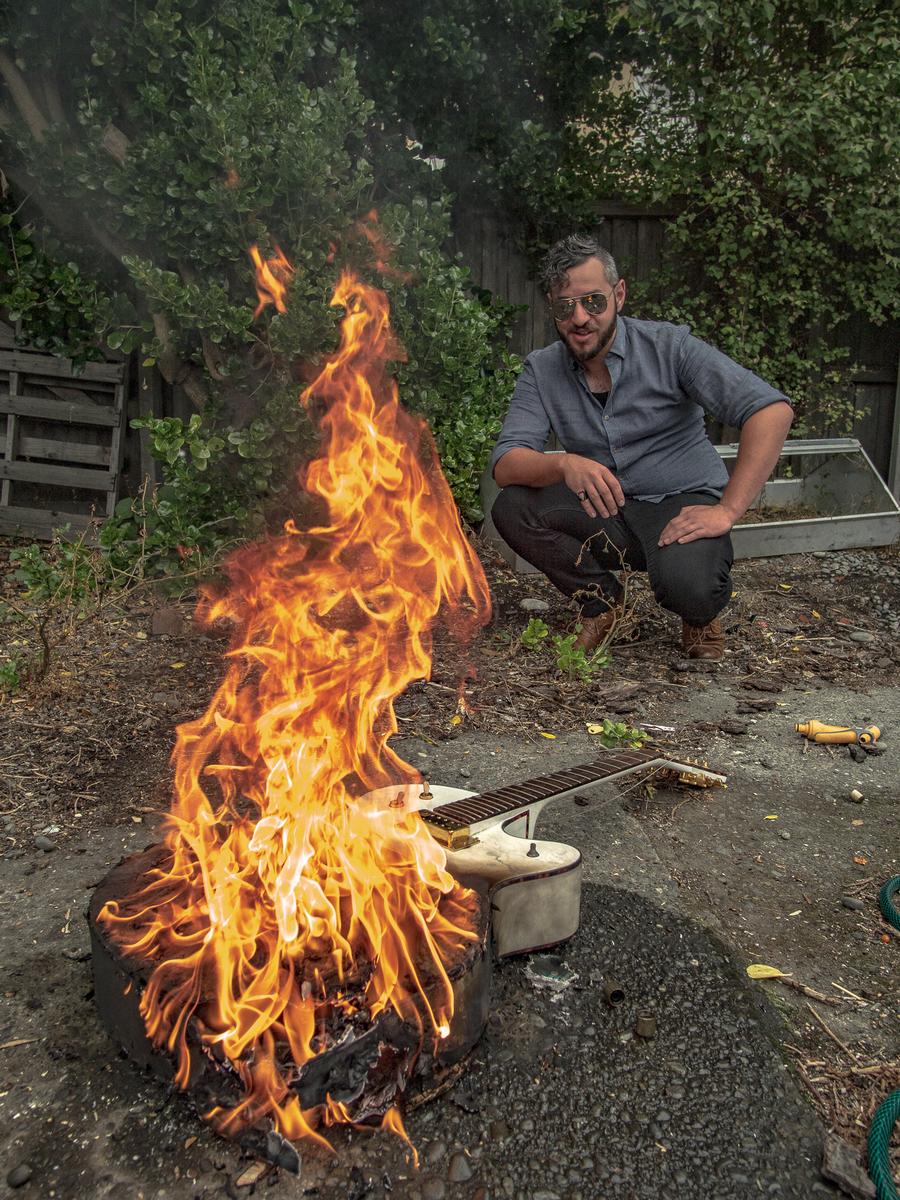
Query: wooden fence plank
x=9 y=442
x=41 y=522
x=45 y=409
x=54 y=476
x=58 y=368
x=116 y=451
x=57 y=451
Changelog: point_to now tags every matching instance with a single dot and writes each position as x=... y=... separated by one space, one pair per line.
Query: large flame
x=284 y=879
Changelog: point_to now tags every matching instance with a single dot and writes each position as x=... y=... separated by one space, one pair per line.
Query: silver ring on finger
x=582 y=495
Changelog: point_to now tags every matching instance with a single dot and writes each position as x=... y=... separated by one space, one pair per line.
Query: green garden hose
x=879 y=1146
x=885 y=899
x=889 y=1110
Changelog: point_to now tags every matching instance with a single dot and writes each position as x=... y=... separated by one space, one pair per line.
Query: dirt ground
x=782 y=865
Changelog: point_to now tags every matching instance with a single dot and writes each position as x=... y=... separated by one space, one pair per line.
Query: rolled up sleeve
x=721 y=386
x=527 y=424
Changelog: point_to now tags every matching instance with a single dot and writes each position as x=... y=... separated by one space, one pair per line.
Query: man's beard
x=603 y=344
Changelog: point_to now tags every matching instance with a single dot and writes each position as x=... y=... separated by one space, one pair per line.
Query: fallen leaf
x=188 y=1142
x=177 y=666
x=857 y=823
x=796 y=912
x=817 y=615
x=547 y=735
x=771 y=817
x=785 y=587
x=456 y=719
x=17 y=1042
x=860 y=860
x=761 y=971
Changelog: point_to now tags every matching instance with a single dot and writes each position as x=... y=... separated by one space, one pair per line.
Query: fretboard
x=459 y=814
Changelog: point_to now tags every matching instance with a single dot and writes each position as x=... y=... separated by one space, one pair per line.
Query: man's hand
x=697 y=521
x=595 y=486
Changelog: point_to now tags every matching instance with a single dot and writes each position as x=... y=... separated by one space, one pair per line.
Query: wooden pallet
x=61 y=443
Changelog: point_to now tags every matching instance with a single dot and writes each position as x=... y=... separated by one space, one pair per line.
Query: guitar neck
x=492 y=806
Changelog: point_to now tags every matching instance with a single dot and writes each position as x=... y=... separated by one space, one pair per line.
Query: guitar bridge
x=450 y=838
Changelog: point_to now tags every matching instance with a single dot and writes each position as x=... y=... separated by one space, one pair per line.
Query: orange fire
x=285 y=880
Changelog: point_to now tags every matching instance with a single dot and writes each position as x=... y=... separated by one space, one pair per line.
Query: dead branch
x=834 y=1037
x=21 y=96
x=53 y=101
x=211 y=354
x=174 y=369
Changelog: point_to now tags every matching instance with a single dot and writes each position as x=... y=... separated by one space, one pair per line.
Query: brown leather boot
x=703 y=641
x=594 y=630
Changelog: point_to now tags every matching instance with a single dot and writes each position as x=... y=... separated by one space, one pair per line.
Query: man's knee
x=511 y=511
x=694 y=585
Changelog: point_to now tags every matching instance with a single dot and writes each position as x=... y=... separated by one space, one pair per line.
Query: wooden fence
x=62 y=440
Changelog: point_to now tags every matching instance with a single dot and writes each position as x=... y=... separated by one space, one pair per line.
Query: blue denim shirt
x=651 y=432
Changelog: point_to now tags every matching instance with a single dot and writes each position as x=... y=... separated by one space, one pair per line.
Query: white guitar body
x=534 y=887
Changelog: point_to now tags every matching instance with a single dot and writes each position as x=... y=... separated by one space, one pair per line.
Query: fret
x=506 y=799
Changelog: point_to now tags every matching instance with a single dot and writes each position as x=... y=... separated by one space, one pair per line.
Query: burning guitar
x=535 y=887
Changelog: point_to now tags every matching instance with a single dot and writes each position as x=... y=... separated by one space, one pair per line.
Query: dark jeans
x=549 y=528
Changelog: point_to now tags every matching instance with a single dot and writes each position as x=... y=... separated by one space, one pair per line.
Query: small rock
x=735 y=728
x=785 y=835
x=856 y=796
x=767 y=763
x=252 y=1174
x=77 y=955
x=435 y=1151
x=19 y=1175
x=860 y=635
x=533 y=605
x=44 y=843
x=853 y=903
x=860 y=935
x=459 y=1170
x=433 y=1188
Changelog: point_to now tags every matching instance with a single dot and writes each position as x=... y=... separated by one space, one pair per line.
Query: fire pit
x=296 y=951
x=365 y=1066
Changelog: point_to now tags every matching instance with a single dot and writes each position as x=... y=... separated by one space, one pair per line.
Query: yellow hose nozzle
x=838 y=735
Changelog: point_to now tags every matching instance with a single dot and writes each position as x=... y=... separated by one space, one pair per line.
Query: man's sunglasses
x=594 y=303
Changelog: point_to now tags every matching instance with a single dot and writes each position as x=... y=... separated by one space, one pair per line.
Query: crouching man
x=625 y=399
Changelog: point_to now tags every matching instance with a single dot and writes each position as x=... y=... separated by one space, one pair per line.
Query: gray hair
x=570 y=252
